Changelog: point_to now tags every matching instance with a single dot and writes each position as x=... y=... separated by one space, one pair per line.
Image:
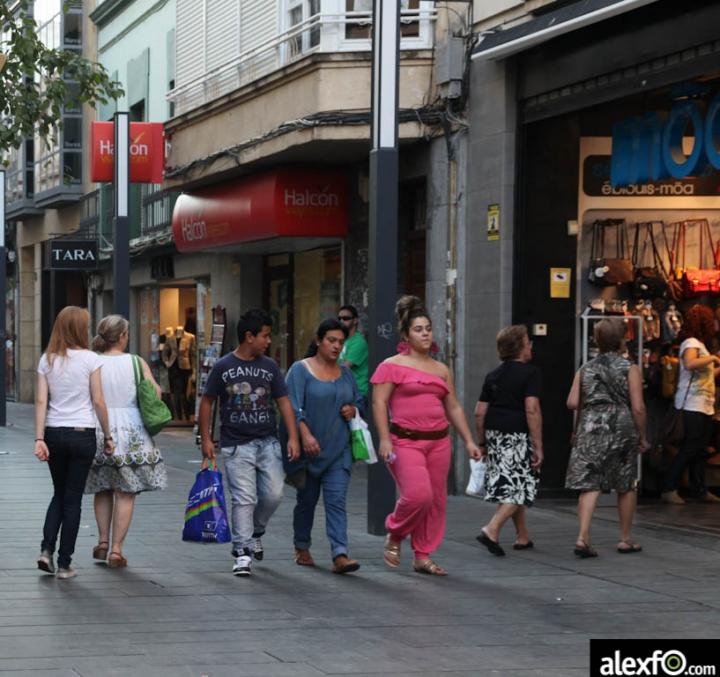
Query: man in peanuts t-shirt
x=246 y=384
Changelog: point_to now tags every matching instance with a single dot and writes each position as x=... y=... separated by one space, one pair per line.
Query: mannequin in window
x=168 y=357
x=186 y=368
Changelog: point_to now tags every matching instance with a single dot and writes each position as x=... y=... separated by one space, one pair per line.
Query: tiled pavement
x=177 y=611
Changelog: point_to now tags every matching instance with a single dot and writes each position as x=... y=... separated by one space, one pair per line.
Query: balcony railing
x=320 y=33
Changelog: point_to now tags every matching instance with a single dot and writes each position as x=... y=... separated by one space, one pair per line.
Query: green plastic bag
x=361 y=441
x=154 y=411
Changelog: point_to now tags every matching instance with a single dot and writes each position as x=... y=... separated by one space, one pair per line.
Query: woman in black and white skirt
x=509 y=426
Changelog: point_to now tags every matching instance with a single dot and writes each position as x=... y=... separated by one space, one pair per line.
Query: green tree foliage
x=35 y=82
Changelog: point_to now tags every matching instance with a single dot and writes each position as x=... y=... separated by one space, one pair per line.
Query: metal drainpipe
x=451 y=285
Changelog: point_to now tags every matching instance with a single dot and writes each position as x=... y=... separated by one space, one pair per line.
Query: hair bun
x=407 y=308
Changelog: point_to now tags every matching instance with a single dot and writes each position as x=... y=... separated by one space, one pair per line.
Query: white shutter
x=221 y=32
x=258 y=26
x=189 y=41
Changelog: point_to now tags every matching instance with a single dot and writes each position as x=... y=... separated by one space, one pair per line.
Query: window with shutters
x=302 y=13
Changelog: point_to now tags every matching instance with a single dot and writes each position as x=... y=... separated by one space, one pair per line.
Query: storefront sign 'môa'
x=147 y=152
x=286 y=203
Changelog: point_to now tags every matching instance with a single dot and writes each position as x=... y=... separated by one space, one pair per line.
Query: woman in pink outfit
x=418 y=394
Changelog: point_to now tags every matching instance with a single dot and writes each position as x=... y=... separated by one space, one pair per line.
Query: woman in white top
x=695 y=395
x=136 y=464
x=68 y=397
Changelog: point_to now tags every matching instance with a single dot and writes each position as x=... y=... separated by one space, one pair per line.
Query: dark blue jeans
x=334 y=485
x=71 y=454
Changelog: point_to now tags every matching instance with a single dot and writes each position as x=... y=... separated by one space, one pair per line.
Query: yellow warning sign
x=560 y=283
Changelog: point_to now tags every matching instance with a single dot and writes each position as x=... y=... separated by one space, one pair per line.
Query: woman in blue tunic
x=325 y=397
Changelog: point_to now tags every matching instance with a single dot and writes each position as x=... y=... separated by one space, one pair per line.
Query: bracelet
x=482 y=444
x=39 y=439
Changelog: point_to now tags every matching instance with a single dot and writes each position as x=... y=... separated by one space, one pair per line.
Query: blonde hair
x=70 y=330
x=407 y=309
x=510 y=341
x=109 y=330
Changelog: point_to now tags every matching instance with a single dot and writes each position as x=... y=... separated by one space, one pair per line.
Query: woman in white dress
x=136 y=464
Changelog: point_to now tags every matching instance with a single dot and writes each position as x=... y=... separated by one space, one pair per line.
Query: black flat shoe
x=492 y=546
x=523 y=546
x=585 y=551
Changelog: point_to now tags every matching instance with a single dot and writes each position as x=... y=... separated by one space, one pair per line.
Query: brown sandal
x=116 y=561
x=100 y=552
x=391 y=553
x=427 y=566
x=303 y=558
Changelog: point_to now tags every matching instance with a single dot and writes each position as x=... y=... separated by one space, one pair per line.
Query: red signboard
x=286 y=203
x=147 y=152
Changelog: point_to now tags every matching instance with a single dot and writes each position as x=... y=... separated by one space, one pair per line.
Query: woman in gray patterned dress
x=609 y=433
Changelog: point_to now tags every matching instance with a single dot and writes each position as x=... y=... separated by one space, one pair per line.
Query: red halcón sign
x=286 y=203
x=147 y=152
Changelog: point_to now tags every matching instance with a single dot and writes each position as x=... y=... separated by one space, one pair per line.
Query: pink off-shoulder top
x=417 y=399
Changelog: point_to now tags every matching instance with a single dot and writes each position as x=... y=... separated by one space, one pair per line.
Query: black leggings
x=692 y=453
x=71 y=454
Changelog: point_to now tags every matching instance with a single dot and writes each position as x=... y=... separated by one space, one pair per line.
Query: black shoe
x=257 y=549
x=492 y=546
x=523 y=546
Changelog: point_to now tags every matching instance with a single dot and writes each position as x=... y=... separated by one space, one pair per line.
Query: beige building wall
x=490 y=13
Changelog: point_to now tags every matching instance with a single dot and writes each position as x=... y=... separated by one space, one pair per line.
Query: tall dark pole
x=383 y=240
x=121 y=225
x=3 y=291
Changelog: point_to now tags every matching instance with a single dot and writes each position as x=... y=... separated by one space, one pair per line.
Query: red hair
x=71 y=330
x=699 y=323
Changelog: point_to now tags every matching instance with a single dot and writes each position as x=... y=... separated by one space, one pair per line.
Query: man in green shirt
x=355 y=352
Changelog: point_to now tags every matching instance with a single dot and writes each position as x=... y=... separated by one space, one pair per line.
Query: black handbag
x=649 y=282
x=607 y=271
x=674 y=431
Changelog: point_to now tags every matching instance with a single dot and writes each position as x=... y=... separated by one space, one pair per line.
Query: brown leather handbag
x=606 y=271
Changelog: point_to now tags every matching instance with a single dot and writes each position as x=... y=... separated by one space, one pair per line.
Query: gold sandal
x=427 y=566
x=391 y=553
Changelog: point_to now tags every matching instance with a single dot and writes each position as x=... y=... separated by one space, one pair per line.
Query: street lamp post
x=383 y=230
x=121 y=244
x=3 y=292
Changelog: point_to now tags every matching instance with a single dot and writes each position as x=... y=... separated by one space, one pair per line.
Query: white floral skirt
x=135 y=466
x=509 y=477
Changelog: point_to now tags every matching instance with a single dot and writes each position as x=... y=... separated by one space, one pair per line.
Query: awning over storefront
x=499 y=44
x=286 y=203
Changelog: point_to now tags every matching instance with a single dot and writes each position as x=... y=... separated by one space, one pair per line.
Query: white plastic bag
x=361 y=440
x=476 y=484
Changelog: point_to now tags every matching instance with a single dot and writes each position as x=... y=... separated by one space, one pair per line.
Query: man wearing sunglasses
x=355 y=352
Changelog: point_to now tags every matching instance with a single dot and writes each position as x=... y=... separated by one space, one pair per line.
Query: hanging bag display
x=650 y=282
x=670 y=368
x=698 y=281
x=674 y=272
x=606 y=271
x=153 y=410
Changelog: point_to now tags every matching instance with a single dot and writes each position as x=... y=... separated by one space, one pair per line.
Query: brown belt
x=410 y=434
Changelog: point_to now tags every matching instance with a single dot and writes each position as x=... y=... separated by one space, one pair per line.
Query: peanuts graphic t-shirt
x=246 y=389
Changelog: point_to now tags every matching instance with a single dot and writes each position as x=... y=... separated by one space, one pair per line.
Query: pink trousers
x=420 y=471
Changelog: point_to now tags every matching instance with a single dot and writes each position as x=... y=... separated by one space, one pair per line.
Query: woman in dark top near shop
x=509 y=426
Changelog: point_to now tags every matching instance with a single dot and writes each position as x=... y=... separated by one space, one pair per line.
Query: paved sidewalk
x=177 y=611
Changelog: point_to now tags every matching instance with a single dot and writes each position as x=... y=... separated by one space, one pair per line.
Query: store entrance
x=300 y=290
x=167 y=339
x=61 y=288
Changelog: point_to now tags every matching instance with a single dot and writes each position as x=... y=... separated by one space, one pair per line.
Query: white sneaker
x=242 y=565
x=672 y=497
x=45 y=562
x=65 y=573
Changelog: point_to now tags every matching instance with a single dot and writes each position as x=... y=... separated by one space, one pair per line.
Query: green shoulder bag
x=154 y=411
